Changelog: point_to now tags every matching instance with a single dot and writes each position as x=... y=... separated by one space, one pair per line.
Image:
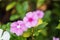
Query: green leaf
x=58 y=27
x=40 y=37
x=10 y=6
x=22 y=38
x=36 y=33
x=13 y=37
x=19 y=8
x=4 y=26
x=41 y=26
x=22 y=8
x=14 y=17
x=39 y=29
x=8 y=26
x=27 y=33
x=25 y=5
x=47 y=16
x=44 y=32
x=40 y=2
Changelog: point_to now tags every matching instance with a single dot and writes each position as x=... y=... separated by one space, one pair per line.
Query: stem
x=32 y=33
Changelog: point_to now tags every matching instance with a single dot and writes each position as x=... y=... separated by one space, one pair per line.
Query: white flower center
x=18 y=26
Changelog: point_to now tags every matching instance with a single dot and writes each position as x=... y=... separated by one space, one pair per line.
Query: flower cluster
x=30 y=20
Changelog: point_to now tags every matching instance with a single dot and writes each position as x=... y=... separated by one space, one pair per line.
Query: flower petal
x=24 y=28
x=1 y=31
x=6 y=36
x=14 y=24
x=34 y=23
x=29 y=14
x=40 y=13
x=19 y=32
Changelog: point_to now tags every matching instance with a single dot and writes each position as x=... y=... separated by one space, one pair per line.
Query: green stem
x=32 y=33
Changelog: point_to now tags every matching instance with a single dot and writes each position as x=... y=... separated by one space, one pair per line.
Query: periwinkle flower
x=54 y=38
x=18 y=28
x=30 y=19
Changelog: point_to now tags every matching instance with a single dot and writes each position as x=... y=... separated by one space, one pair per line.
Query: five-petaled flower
x=18 y=27
x=30 y=19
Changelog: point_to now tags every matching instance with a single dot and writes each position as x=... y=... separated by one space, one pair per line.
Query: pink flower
x=18 y=28
x=30 y=19
x=39 y=13
x=54 y=38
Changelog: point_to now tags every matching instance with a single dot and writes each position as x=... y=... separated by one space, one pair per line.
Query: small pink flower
x=54 y=38
x=39 y=13
x=30 y=19
x=18 y=27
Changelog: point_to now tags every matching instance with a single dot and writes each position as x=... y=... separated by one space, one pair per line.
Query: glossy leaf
x=22 y=9
x=10 y=6
x=47 y=16
x=14 y=17
x=43 y=25
x=58 y=27
x=8 y=26
x=39 y=29
x=44 y=32
x=26 y=34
